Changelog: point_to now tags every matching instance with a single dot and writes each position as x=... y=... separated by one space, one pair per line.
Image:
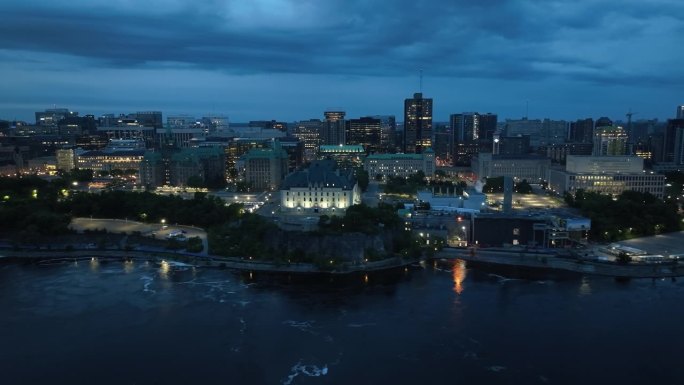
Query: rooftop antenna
x=527 y=109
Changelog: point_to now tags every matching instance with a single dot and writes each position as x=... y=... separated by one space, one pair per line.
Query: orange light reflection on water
x=459 y=274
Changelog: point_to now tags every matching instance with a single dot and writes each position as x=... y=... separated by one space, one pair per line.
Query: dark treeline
x=31 y=207
x=496 y=185
x=631 y=214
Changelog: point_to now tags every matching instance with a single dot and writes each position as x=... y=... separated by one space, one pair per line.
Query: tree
x=523 y=187
x=494 y=185
x=195 y=181
x=362 y=178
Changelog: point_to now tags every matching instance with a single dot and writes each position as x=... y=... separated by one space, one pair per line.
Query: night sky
x=291 y=60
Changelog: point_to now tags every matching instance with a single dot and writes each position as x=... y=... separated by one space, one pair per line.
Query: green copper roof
x=353 y=148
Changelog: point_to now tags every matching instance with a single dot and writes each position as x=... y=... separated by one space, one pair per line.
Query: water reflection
x=585 y=287
x=94 y=265
x=128 y=267
x=164 y=269
x=459 y=275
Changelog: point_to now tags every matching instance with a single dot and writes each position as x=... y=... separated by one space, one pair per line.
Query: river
x=137 y=323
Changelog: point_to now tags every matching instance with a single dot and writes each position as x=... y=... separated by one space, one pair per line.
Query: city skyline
x=276 y=59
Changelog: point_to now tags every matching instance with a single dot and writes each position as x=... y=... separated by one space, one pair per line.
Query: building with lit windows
x=333 y=132
x=532 y=168
x=417 y=124
x=345 y=156
x=322 y=187
x=606 y=175
x=265 y=168
x=309 y=133
x=610 y=141
x=365 y=131
x=65 y=159
x=402 y=165
x=174 y=167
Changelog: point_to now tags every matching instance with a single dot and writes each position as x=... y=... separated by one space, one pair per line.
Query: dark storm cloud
x=524 y=39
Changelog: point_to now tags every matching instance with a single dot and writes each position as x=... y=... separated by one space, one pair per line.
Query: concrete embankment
x=56 y=256
x=552 y=261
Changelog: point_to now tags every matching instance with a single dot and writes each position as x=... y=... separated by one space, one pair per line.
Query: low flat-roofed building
x=471 y=200
x=546 y=231
x=532 y=168
x=607 y=175
x=401 y=165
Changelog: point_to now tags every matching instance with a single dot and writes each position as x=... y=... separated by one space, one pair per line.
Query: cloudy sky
x=292 y=59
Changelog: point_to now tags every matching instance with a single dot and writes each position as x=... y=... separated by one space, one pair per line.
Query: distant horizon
x=29 y=116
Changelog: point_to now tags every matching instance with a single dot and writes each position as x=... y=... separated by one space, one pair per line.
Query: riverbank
x=552 y=261
x=216 y=262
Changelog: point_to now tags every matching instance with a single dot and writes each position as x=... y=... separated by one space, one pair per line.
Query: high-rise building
x=309 y=132
x=680 y=112
x=610 y=141
x=333 y=128
x=673 y=142
x=465 y=127
x=417 y=124
x=554 y=131
x=366 y=131
x=524 y=126
x=582 y=131
x=388 y=129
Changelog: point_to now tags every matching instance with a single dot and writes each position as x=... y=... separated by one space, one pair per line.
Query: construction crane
x=629 y=117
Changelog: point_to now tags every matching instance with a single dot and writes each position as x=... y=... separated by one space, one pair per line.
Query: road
x=146 y=229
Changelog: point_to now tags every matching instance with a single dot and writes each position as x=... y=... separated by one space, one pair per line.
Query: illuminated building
x=607 y=175
x=402 y=165
x=333 y=128
x=610 y=141
x=65 y=159
x=417 y=124
x=309 y=133
x=321 y=186
x=345 y=156
x=365 y=131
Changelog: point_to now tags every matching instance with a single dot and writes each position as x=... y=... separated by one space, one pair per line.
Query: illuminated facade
x=65 y=159
x=610 y=141
x=110 y=160
x=321 y=186
x=417 y=124
x=401 y=165
x=606 y=175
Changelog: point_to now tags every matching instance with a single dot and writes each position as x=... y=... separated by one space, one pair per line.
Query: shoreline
x=203 y=261
x=554 y=262
x=538 y=261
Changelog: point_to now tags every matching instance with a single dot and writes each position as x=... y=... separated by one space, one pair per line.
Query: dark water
x=114 y=323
